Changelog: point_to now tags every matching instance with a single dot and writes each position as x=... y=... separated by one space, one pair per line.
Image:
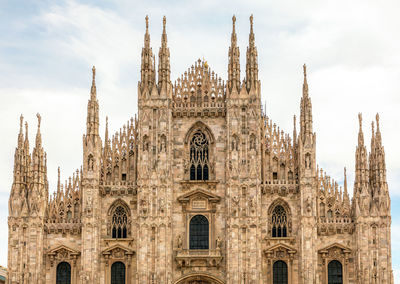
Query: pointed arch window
x=63 y=273
x=199 y=232
x=118 y=272
x=199 y=156
x=279 y=222
x=335 y=275
x=119 y=223
x=280 y=272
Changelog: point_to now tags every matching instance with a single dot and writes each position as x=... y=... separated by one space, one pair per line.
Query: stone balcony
x=198 y=258
x=280 y=187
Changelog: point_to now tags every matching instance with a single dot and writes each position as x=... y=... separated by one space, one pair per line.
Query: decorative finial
x=251 y=23
x=21 y=121
x=305 y=70
x=233 y=22
x=373 y=128
x=93 y=74
x=360 y=120
x=147 y=23
x=377 y=122
x=39 y=119
x=164 y=22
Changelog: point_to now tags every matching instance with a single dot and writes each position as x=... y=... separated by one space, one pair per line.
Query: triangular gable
x=199 y=193
x=281 y=246
x=117 y=247
x=61 y=248
x=326 y=249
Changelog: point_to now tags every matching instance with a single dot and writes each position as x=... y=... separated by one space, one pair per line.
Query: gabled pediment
x=199 y=194
x=281 y=247
x=63 y=250
x=117 y=250
x=199 y=200
x=335 y=246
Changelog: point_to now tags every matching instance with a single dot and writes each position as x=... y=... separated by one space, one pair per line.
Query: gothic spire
x=377 y=160
x=92 y=123
x=361 y=178
x=147 y=66
x=234 y=61
x=251 y=60
x=38 y=134
x=305 y=111
x=164 y=69
x=21 y=134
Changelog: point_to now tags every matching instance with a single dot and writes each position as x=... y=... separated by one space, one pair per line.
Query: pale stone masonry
x=200 y=187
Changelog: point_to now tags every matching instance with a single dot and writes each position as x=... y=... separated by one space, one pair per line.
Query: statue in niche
x=163 y=144
x=90 y=163
x=180 y=242
x=218 y=243
x=162 y=205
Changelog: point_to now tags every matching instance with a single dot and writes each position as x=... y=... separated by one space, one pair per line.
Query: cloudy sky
x=351 y=48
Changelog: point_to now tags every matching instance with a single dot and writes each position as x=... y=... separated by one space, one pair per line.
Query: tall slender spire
x=234 y=61
x=377 y=163
x=92 y=123
x=251 y=60
x=147 y=65
x=306 y=129
x=361 y=178
x=93 y=92
x=164 y=69
x=21 y=133
x=38 y=134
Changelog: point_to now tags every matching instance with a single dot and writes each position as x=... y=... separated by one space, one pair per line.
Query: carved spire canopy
x=92 y=122
x=306 y=129
x=148 y=63
x=234 y=61
x=164 y=69
x=251 y=61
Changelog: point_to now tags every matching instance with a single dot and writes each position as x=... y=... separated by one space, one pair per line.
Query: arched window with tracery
x=199 y=156
x=63 y=273
x=199 y=232
x=118 y=272
x=335 y=274
x=279 y=222
x=119 y=223
x=280 y=272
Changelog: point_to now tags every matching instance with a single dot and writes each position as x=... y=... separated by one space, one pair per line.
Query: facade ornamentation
x=200 y=187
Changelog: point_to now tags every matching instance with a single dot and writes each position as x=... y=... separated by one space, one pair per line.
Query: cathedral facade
x=200 y=187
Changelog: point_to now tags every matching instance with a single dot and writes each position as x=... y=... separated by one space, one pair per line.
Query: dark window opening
x=119 y=223
x=118 y=273
x=280 y=272
x=199 y=157
x=63 y=273
x=275 y=176
x=123 y=176
x=279 y=222
x=335 y=272
x=198 y=233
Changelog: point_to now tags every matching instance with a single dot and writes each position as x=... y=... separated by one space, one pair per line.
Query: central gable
x=199 y=89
